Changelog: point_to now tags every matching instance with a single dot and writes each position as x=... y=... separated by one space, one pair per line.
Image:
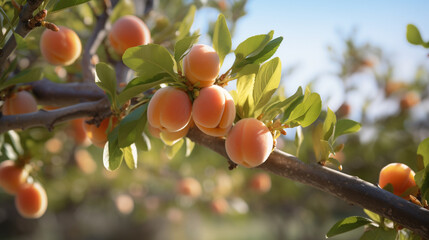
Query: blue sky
x=308 y=27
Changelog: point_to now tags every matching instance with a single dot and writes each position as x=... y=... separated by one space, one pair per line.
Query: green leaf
x=329 y=124
x=131 y=126
x=299 y=138
x=221 y=38
x=20 y=41
x=372 y=215
x=414 y=37
x=105 y=78
x=190 y=145
x=130 y=156
x=266 y=83
x=16 y=142
x=62 y=4
x=308 y=111
x=183 y=45
x=172 y=150
x=321 y=147
x=244 y=100
x=264 y=55
x=252 y=46
x=112 y=154
x=141 y=84
x=347 y=224
x=422 y=180
x=335 y=162
x=388 y=187
x=379 y=234
x=26 y=76
x=346 y=126
x=143 y=142
x=149 y=60
x=186 y=23
x=423 y=151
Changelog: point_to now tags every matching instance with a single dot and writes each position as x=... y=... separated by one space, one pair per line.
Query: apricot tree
x=175 y=84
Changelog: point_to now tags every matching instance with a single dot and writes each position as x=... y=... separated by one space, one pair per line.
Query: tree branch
x=22 y=29
x=348 y=188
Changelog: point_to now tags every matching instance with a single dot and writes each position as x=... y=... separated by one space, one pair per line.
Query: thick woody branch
x=49 y=119
x=99 y=33
x=348 y=188
x=23 y=28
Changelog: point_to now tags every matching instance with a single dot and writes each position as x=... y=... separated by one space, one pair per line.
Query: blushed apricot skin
x=60 y=48
x=98 y=135
x=128 y=31
x=169 y=109
x=201 y=65
x=261 y=183
x=400 y=176
x=189 y=187
x=213 y=111
x=19 y=103
x=31 y=200
x=78 y=130
x=12 y=177
x=249 y=143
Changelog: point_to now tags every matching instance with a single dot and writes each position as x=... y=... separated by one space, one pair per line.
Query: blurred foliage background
x=88 y=202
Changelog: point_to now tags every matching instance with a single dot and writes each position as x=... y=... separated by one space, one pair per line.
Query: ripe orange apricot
x=12 y=177
x=400 y=176
x=169 y=109
x=213 y=111
x=78 y=131
x=409 y=100
x=219 y=206
x=128 y=31
x=60 y=48
x=201 y=65
x=31 y=200
x=98 y=135
x=169 y=138
x=189 y=187
x=260 y=183
x=19 y=103
x=249 y=143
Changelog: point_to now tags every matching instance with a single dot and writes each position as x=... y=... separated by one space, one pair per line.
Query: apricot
x=260 y=183
x=213 y=111
x=12 y=177
x=128 y=31
x=409 y=100
x=31 y=200
x=169 y=109
x=60 y=48
x=98 y=135
x=78 y=131
x=19 y=103
x=169 y=138
x=249 y=143
x=219 y=206
x=189 y=187
x=400 y=176
x=201 y=65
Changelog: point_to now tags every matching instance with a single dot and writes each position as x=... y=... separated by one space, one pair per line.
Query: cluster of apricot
x=171 y=112
x=30 y=198
x=401 y=178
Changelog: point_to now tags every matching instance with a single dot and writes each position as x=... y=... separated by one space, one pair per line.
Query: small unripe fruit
x=98 y=135
x=249 y=143
x=60 y=48
x=128 y=31
x=12 y=177
x=169 y=109
x=261 y=183
x=19 y=103
x=400 y=176
x=201 y=65
x=31 y=200
x=213 y=111
x=189 y=187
